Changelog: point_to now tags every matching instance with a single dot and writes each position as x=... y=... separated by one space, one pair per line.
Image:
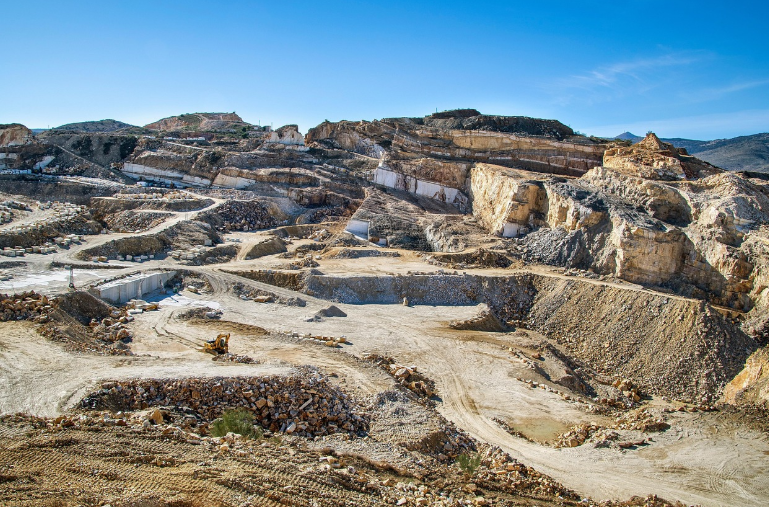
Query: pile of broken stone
x=302 y=403
x=111 y=329
x=243 y=215
x=407 y=376
x=24 y=306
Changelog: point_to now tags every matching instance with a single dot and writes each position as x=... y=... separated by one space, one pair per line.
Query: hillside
x=744 y=153
x=95 y=126
x=199 y=122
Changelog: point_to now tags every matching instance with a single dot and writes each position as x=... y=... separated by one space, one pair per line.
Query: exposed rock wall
x=751 y=385
x=14 y=134
x=443 y=148
x=505 y=201
x=656 y=160
x=702 y=235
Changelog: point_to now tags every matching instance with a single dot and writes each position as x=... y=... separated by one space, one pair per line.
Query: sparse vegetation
x=469 y=463
x=238 y=421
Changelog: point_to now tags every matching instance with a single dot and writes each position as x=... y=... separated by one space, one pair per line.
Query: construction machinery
x=221 y=345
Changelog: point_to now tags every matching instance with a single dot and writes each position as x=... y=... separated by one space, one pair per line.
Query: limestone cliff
x=751 y=385
x=703 y=237
x=440 y=149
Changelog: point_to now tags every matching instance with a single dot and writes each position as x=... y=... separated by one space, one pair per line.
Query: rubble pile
x=24 y=306
x=10 y=204
x=639 y=420
x=84 y=323
x=484 y=321
x=66 y=225
x=7 y=210
x=262 y=296
x=577 y=435
x=498 y=467
x=407 y=376
x=157 y=196
x=240 y=216
x=642 y=420
x=44 y=248
x=480 y=258
x=301 y=263
x=357 y=253
x=112 y=329
x=303 y=404
x=131 y=221
x=628 y=390
x=328 y=341
x=234 y=358
x=205 y=254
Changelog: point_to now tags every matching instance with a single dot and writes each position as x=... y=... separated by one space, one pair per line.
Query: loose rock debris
x=303 y=403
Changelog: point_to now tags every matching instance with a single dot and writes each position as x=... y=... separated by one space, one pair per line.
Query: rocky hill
x=14 y=134
x=199 y=122
x=95 y=126
x=744 y=153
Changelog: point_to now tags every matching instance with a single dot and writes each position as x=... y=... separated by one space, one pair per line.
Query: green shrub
x=238 y=421
x=469 y=463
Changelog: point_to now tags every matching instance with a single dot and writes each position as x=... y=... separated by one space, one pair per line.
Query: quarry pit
x=583 y=351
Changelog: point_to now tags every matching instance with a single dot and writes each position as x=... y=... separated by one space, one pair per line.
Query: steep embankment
x=676 y=347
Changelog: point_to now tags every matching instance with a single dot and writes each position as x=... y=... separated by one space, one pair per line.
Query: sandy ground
x=702 y=459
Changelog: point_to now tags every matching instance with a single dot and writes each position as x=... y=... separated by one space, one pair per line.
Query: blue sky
x=683 y=69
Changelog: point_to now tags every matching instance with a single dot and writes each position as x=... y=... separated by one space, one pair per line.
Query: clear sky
x=695 y=69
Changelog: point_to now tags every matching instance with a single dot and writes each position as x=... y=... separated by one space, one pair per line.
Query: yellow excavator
x=221 y=345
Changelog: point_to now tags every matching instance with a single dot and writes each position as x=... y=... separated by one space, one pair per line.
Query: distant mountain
x=95 y=126
x=744 y=153
x=627 y=136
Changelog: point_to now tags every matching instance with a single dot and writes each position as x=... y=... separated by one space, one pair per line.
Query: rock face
x=14 y=134
x=656 y=160
x=507 y=201
x=751 y=385
x=700 y=236
x=432 y=156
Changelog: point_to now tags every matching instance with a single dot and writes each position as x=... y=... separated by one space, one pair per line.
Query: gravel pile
x=666 y=346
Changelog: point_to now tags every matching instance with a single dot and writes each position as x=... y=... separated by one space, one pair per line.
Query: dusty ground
x=481 y=378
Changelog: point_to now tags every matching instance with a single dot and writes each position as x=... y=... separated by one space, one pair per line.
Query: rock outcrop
x=656 y=160
x=700 y=235
x=433 y=156
x=751 y=385
x=198 y=121
x=14 y=134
